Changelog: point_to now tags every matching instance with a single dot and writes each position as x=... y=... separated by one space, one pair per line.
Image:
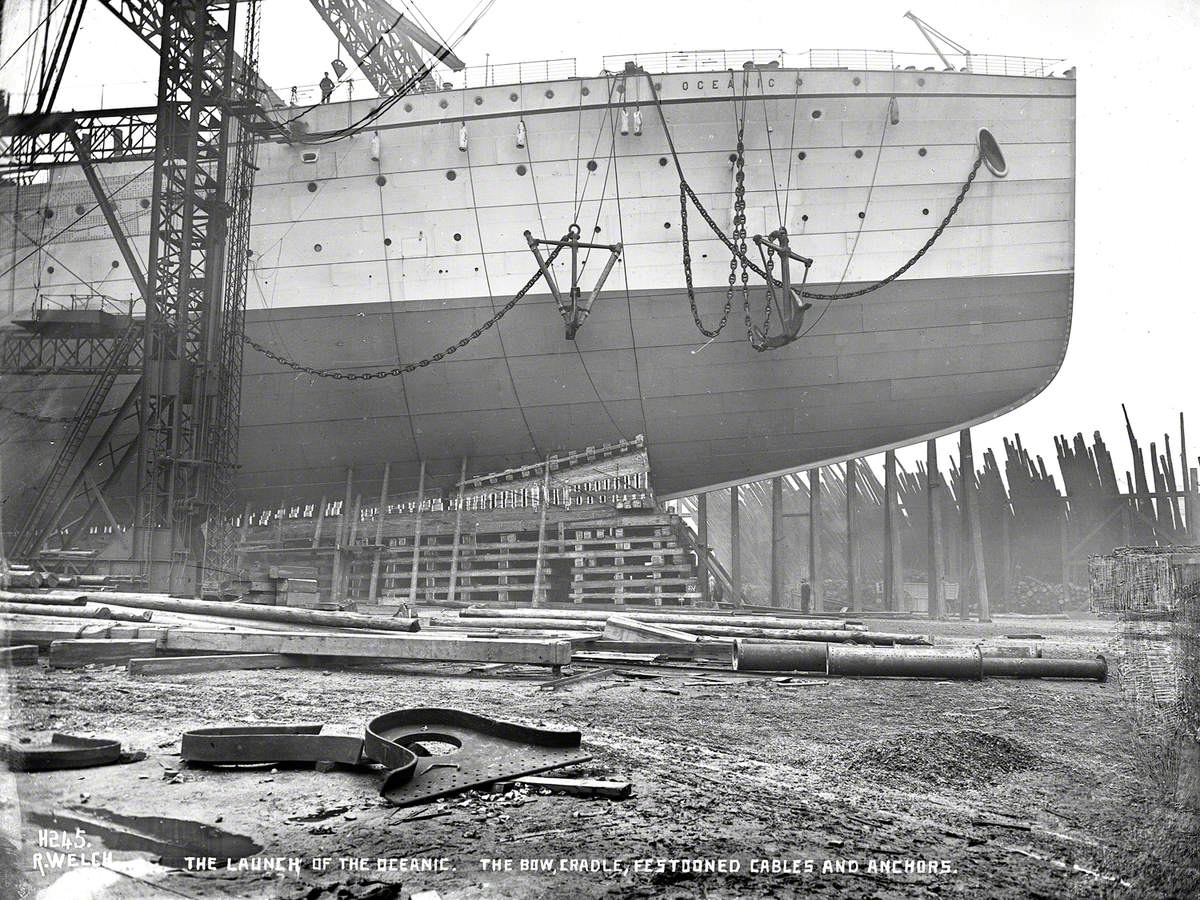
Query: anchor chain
x=405 y=369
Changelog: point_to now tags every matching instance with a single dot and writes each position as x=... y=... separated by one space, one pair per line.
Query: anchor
x=577 y=309
x=792 y=307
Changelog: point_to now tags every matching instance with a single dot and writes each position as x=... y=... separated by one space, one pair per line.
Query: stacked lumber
x=292 y=585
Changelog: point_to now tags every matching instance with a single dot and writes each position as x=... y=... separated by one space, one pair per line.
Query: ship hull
x=915 y=359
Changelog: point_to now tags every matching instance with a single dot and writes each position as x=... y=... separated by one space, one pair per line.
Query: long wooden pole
x=852 y=535
x=816 y=577
x=735 y=542
x=538 y=586
x=339 y=538
x=889 y=527
x=971 y=508
x=316 y=538
x=416 y=548
x=372 y=591
x=462 y=478
x=934 y=514
x=702 y=544
x=776 y=540
x=348 y=566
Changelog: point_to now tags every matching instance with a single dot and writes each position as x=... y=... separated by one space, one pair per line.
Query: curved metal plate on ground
x=486 y=750
x=269 y=744
x=65 y=751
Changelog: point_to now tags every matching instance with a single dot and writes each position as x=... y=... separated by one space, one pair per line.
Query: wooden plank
x=372 y=591
x=971 y=515
x=15 y=632
x=735 y=542
x=549 y=652
x=816 y=578
x=174 y=665
x=623 y=628
x=457 y=541
x=776 y=550
x=933 y=511
x=20 y=655
x=574 y=787
x=702 y=649
x=416 y=547
x=105 y=651
x=539 y=590
x=589 y=675
x=855 y=601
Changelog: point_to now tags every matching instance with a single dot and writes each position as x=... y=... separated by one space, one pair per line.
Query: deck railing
x=868 y=60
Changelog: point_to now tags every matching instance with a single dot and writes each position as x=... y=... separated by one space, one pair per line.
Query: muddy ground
x=993 y=789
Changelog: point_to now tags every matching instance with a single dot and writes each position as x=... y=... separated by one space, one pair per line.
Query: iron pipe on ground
x=906 y=662
x=1095 y=668
x=780 y=656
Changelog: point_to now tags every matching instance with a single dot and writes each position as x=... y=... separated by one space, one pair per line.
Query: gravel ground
x=858 y=788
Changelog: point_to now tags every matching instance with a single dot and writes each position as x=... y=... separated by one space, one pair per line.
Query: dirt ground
x=834 y=787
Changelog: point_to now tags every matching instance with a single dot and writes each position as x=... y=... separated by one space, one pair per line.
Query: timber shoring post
x=416 y=546
x=538 y=585
x=454 y=550
x=933 y=482
x=735 y=541
x=348 y=567
x=889 y=530
x=339 y=537
x=702 y=542
x=970 y=501
x=373 y=590
x=855 y=602
x=816 y=578
x=316 y=538
x=776 y=560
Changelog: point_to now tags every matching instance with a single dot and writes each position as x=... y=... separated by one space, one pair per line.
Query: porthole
x=920 y=82
x=801 y=156
x=318 y=248
x=922 y=152
x=857 y=81
x=479 y=101
x=387 y=242
x=513 y=97
x=666 y=224
x=381 y=180
x=925 y=211
x=408 y=107
x=993 y=158
x=48 y=213
x=144 y=203
x=591 y=165
x=457 y=236
x=858 y=154
x=585 y=90
x=116 y=264
x=549 y=95
x=816 y=114
x=862 y=215
x=50 y=269
x=312 y=187
x=249 y=251
x=733 y=157
x=662 y=160
x=451 y=175
x=521 y=170
x=443 y=104
x=804 y=218
x=79 y=210
x=596 y=230
x=621 y=88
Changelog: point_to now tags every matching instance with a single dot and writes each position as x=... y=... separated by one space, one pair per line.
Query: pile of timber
x=293 y=585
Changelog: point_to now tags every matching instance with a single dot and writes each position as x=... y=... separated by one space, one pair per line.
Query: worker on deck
x=327 y=87
x=805 y=595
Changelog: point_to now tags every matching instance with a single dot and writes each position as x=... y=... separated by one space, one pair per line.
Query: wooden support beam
x=416 y=554
x=889 y=532
x=934 y=574
x=105 y=651
x=177 y=665
x=316 y=538
x=589 y=675
x=573 y=787
x=816 y=577
x=20 y=655
x=776 y=554
x=546 y=652
x=970 y=500
x=702 y=544
x=373 y=589
x=735 y=542
x=454 y=552
x=855 y=601
x=339 y=542
x=624 y=628
x=539 y=590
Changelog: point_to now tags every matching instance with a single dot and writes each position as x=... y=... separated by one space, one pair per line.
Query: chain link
x=405 y=369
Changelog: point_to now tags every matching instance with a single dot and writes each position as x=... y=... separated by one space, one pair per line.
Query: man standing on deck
x=327 y=87
x=805 y=595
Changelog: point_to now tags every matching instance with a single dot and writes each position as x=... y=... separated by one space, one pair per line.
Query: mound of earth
x=947 y=758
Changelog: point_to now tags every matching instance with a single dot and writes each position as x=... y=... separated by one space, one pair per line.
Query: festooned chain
x=405 y=369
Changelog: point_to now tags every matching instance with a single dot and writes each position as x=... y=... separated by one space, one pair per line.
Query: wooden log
x=569 y=680
x=702 y=649
x=457 y=540
x=256 y=613
x=971 y=513
x=20 y=655
x=574 y=787
x=735 y=542
x=105 y=651
x=16 y=631
x=373 y=589
x=672 y=618
x=855 y=601
x=73 y=612
x=383 y=646
x=777 y=539
x=816 y=577
x=624 y=628
x=416 y=549
x=933 y=510
x=43 y=599
x=176 y=665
